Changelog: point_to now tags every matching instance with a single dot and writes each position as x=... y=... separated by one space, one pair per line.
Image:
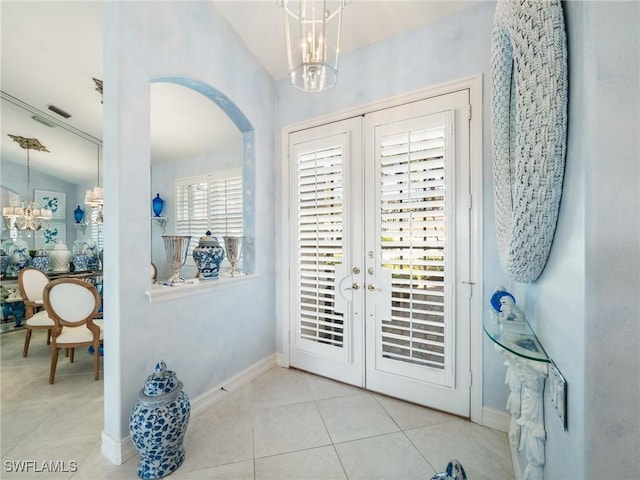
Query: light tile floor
x=286 y=424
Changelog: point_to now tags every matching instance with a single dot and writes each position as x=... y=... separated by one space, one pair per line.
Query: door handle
x=354 y=286
x=372 y=288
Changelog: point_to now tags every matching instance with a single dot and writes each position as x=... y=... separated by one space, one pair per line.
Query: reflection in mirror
x=197 y=172
x=64 y=173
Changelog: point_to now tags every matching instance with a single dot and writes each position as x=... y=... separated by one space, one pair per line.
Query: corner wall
x=208 y=338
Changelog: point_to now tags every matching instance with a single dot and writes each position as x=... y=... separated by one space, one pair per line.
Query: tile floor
x=286 y=424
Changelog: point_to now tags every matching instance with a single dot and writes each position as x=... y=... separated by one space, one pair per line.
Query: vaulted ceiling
x=51 y=51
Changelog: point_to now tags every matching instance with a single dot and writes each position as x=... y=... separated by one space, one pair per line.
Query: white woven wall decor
x=529 y=125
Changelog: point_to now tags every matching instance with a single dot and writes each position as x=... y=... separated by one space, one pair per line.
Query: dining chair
x=31 y=283
x=73 y=305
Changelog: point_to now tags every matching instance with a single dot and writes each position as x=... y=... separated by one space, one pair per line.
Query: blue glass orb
x=78 y=214
x=157 y=204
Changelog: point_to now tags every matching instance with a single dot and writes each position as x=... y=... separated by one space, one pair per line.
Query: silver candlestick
x=233 y=246
x=176 y=247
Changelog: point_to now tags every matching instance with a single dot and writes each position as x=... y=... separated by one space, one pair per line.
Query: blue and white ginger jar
x=4 y=261
x=158 y=422
x=208 y=256
x=41 y=260
x=19 y=255
x=80 y=261
x=91 y=251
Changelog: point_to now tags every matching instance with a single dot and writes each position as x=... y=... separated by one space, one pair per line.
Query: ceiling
x=51 y=51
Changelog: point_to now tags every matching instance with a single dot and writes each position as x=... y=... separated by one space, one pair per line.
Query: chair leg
x=27 y=339
x=96 y=362
x=49 y=337
x=54 y=363
x=73 y=350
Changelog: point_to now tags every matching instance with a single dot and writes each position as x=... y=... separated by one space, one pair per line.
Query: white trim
x=474 y=84
x=118 y=452
x=163 y=293
x=282 y=360
x=496 y=419
x=477 y=303
x=206 y=177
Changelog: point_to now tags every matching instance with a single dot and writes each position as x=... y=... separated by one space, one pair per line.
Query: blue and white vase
x=41 y=260
x=158 y=422
x=208 y=256
x=4 y=261
x=19 y=255
x=91 y=251
x=80 y=261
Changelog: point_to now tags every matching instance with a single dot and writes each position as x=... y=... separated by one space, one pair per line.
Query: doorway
x=380 y=251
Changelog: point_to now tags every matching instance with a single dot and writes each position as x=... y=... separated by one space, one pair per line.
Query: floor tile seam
x=306 y=449
x=419 y=451
x=387 y=412
x=367 y=437
x=97 y=444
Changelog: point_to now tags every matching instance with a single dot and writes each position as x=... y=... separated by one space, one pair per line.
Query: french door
x=379 y=251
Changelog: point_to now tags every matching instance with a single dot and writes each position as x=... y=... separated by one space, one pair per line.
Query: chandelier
x=30 y=216
x=94 y=197
x=312 y=28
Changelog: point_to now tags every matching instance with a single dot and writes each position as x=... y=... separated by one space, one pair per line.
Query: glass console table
x=527 y=369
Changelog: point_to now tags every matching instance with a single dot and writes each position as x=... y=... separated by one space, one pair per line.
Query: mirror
x=192 y=152
x=67 y=170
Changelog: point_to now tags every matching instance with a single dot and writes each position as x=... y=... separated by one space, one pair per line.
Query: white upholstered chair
x=31 y=283
x=73 y=305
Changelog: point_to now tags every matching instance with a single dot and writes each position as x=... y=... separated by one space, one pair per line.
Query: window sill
x=164 y=293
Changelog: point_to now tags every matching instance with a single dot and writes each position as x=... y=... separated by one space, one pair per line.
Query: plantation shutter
x=413 y=228
x=208 y=203
x=320 y=244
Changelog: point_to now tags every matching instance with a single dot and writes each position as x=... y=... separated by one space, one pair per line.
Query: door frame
x=474 y=84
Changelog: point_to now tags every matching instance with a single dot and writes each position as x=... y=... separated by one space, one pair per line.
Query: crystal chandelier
x=94 y=197
x=30 y=216
x=312 y=29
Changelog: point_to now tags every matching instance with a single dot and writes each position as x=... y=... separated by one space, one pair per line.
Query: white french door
x=379 y=251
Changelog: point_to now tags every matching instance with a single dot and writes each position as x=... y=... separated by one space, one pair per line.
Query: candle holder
x=176 y=247
x=233 y=246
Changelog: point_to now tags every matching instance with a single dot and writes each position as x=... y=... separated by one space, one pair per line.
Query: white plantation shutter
x=320 y=244
x=413 y=235
x=209 y=203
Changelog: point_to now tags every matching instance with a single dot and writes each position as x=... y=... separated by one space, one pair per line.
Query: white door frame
x=474 y=84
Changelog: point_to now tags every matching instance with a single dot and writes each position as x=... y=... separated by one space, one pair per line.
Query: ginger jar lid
x=160 y=384
x=60 y=246
x=208 y=240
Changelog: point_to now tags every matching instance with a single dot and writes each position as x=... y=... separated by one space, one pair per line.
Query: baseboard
x=118 y=452
x=496 y=419
x=220 y=391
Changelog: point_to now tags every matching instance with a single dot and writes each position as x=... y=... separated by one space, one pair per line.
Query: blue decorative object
x=80 y=261
x=91 y=251
x=19 y=255
x=158 y=422
x=208 y=256
x=4 y=261
x=41 y=260
x=497 y=295
x=78 y=214
x=158 y=205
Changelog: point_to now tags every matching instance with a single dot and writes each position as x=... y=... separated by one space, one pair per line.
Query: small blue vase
x=4 y=261
x=78 y=214
x=158 y=205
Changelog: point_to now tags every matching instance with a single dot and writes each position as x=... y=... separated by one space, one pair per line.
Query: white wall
x=207 y=338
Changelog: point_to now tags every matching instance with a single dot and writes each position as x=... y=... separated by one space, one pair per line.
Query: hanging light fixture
x=94 y=197
x=312 y=29
x=30 y=216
